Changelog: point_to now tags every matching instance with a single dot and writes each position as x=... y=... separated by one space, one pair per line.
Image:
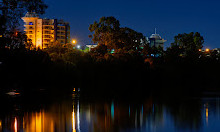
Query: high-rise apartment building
x=44 y=32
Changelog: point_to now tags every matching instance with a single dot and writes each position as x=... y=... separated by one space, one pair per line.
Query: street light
x=74 y=41
x=207 y=50
x=78 y=46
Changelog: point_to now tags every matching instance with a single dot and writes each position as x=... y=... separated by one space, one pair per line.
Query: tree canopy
x=109 y=33
x=63 y=53
x=187 y=45
x=13 y=10
x=190 y=42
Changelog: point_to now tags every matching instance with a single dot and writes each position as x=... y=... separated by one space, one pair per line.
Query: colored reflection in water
x=76 y=117
x=0 y=125
x=39 y=122
x=16 y=125
x=99 y=115
x=112 y=110
x=73 y=120
x=57 y=117
x=207 y=114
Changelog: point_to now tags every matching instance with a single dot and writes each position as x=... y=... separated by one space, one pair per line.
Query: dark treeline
x=122 y=63
x=135 y=68
x=61 y=67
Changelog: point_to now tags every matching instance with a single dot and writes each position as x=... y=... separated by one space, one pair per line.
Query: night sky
x=168 y=16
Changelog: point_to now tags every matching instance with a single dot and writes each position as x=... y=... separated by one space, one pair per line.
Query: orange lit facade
x=43 y=32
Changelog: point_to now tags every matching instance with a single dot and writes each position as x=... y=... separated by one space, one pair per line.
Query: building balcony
x=60 y=38
x=29 y=28
x=61 y=34
x=47 y=33
x=29 y=34
x=61 y=29
x=46 y=41
x=45 y=45
x=28 y=25
x=48 y=28
x=61 y=25
x=44 y=25
x=47 y=37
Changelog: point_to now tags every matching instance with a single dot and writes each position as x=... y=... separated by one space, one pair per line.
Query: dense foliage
x=112 y=38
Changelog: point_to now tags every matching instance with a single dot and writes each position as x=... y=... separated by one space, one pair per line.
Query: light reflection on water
x=99 y=116
x=16 y=125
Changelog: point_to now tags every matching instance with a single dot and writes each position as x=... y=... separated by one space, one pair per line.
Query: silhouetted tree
x=57 y=50
x=191 y=43
x=130 y=39
x=105 y=31
x=117 y=39
x=100 y=50
x=186 y=45
x=64 y=53
x=13 y=10
x=174 y=53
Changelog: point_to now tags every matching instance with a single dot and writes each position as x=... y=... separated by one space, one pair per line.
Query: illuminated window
x=31 y=23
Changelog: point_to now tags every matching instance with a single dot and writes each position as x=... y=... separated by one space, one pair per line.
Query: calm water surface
x=75 y=114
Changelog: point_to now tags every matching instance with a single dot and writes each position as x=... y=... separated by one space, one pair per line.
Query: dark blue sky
x=170 y=17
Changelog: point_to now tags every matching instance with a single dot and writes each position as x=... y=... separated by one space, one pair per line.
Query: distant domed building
x=155 y=40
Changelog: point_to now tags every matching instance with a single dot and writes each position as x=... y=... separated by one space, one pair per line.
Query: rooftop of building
x=31 y=14
x=155 y=36
x=91 y=44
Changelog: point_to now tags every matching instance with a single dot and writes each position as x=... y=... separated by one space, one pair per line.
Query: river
x=76 y=114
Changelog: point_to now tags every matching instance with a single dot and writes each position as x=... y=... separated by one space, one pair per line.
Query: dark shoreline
x=31 y=71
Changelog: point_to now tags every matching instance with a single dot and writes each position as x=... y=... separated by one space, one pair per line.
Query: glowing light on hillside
x=207 y=50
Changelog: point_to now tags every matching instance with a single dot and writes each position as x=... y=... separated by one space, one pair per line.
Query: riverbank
x=32 y=71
